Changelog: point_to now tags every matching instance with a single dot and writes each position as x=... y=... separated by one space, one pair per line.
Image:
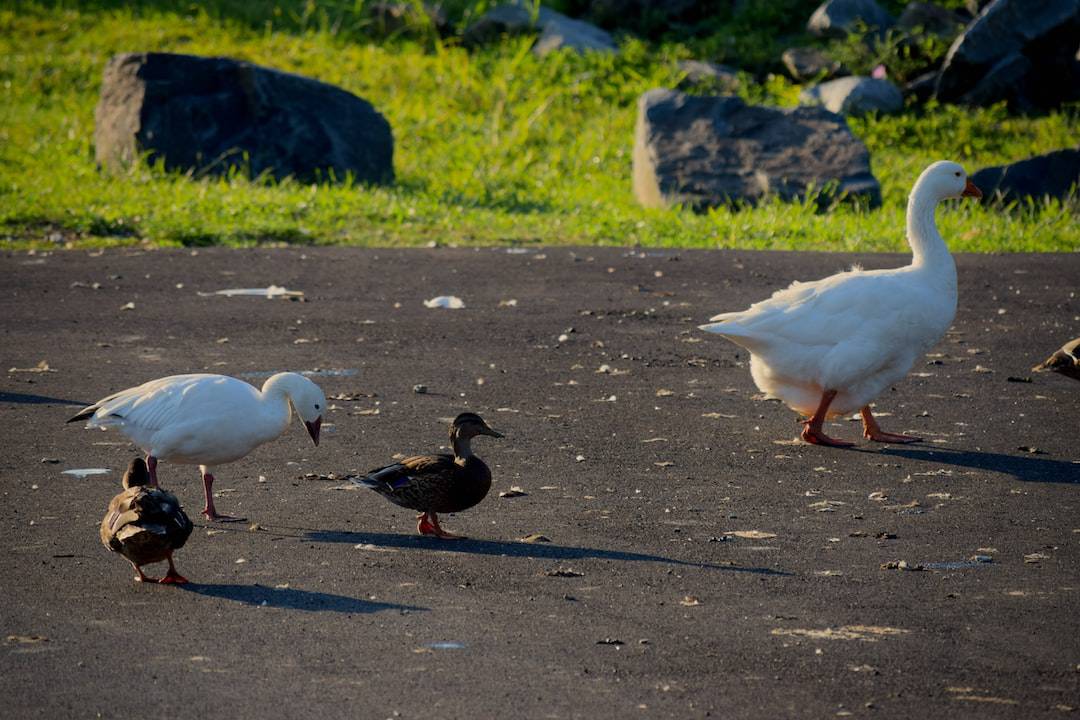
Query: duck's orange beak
x=313 y=429
x=971 y=191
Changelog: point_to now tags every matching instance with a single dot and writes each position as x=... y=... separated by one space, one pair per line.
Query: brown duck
x=437 y=483
x=1065 y=361
x=145 y=524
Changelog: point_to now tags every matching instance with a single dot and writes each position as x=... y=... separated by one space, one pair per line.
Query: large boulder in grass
x=837 y=18
x=854 y=95
x=563 y=33
x=1020 y=51
x=704 y=151
x=1055 y=175
x=556 y=31
x=210 y=114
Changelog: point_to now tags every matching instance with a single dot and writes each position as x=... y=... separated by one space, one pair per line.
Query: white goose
x=207 y=420
x=831 y=346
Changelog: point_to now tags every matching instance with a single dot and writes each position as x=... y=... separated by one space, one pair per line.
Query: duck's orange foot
x=815 y=436
x=428 y=524
x=173 y=579
x=885 y=437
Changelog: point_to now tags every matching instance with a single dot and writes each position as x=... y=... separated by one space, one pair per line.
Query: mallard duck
x=145 y=524
x=437 y=483
x=1065 y=361
x=207 y=420
x=831 y=346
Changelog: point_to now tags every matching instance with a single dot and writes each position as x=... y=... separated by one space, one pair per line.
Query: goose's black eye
x=316 y=406
x=957 y=173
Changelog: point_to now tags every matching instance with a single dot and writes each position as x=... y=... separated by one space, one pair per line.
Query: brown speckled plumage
x=145 y=524
x=433 y=483
x=438 y=483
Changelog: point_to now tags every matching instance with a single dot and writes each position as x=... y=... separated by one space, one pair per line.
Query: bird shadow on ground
x=540 y=551
x=1026 y=469
x=28 y=399
x=293 y=599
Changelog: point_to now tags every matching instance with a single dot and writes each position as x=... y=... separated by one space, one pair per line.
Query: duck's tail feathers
x=367 y=482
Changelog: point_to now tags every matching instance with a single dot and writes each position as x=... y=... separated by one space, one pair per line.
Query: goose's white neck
x=927 y=247
x=278 y=390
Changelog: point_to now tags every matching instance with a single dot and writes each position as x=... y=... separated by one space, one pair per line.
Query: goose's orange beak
x=313 y=429
x=971 y=191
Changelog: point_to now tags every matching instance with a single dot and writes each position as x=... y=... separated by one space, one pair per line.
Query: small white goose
x=831 y=346
x=207 y=420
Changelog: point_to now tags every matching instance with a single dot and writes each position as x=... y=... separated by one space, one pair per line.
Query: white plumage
x=207 y=420
x=831 y=346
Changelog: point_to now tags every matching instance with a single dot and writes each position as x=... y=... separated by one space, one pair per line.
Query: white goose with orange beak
x=207 y=420
x=831 y=346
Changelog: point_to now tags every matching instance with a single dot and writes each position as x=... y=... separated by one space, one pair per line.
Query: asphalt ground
x=699 y=562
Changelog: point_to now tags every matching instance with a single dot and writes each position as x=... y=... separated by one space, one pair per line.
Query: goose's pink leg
x=428 y=524
x=210 y=511
x=151 y=466
x=873 y=431
x=812 y=432
x=172 y=577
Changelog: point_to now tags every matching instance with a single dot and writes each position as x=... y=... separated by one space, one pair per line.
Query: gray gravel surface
x=701 y=563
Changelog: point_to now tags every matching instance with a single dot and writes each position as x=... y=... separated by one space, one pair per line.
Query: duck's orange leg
x=172 y=577
x=872 y=431
x=812 y=432
x=141 y=577
x=428 y=524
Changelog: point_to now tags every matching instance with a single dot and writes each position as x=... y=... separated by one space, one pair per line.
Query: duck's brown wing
x=143 y=524
x=119 y=515
x=417 y=482
x=162 y=508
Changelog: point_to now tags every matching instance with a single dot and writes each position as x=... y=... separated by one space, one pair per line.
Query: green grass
x=492 y=146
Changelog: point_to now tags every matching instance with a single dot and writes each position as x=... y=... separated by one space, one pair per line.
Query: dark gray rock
x=704 y=151
x=854 y=95
x=505 y=20
x=929 y=18
x=710 y=75
x=562 y=33
x=837 y=18
x=1044 y=32
x=808 y=63
x=556 y=31
x=999 y=82
x=1055 y=174
x=922 y=87
x=208 y=114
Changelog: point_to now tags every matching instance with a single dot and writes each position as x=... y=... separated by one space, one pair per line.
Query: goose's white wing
x=821 y=313
x=157 y=404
